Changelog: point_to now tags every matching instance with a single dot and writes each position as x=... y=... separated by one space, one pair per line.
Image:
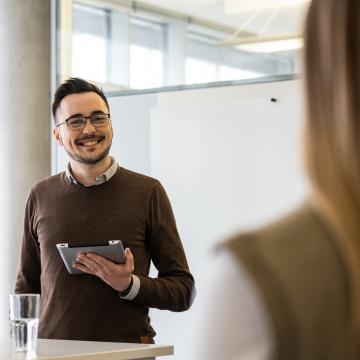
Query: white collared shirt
x=110 y=172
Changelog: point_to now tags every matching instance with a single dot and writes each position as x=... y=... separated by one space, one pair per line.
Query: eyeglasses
x=79 y=122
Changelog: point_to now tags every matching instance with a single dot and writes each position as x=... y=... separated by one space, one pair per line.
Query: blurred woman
x=291 y=290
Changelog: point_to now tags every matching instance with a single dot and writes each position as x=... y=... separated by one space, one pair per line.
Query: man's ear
x=57 y=136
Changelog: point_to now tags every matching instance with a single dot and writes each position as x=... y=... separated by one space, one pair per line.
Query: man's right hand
x=118 y=276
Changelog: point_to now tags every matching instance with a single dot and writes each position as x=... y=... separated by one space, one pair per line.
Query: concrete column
x=24 y=124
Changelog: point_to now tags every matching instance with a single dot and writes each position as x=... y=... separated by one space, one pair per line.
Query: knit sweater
x=130 y=207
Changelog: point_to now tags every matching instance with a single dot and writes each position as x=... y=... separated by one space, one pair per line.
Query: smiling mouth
x=89 y=143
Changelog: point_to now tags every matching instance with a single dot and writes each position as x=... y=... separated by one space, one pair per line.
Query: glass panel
x=200 y=71
x=89 y=37
x=156 y=43
x=146 y=54
x=145 y=67
x=228 y=73
x=208 y=62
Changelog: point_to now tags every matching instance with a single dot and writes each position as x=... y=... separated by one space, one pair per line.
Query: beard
x=87 y=160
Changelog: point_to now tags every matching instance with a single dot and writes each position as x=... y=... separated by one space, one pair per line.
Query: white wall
x=229 y=158
x=230 y=163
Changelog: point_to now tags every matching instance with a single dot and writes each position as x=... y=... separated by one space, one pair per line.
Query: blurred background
x=205 y=95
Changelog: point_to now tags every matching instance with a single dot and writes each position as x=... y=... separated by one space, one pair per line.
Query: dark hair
x=75 y=86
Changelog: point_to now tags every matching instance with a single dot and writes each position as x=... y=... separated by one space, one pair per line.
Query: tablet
x=112 y=250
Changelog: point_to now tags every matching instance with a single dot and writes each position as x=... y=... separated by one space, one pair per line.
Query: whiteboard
x=227 y=166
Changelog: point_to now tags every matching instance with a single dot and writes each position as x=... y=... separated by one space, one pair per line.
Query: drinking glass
x=24 y=320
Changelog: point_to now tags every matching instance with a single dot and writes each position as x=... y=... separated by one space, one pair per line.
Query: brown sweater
x=130 y=207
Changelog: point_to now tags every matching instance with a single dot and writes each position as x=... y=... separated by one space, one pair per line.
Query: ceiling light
x=241 y=6
x=266 y=43
x=273 y=46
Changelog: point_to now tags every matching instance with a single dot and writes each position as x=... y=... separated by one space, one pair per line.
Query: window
x=146 y=54
x=89 y=39
x=200 y=71
x=207 y=61
x=122 y=48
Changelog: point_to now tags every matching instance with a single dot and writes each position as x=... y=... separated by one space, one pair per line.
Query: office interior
x=204 y=95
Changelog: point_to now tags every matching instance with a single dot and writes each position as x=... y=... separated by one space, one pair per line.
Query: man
x=97 y=200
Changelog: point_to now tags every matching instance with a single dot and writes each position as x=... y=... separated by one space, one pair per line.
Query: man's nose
x=89 y=128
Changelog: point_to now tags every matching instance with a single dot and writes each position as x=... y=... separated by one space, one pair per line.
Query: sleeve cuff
x=134 y=289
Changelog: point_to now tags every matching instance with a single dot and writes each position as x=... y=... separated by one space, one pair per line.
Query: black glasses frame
x=91 y=118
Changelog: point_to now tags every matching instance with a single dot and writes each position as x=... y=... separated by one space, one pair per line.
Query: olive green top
x=297 y=267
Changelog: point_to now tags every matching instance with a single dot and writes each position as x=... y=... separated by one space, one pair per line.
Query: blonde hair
x=332 y=131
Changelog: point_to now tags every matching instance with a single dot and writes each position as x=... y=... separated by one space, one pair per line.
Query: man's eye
x=99 y=117
x=75 y=121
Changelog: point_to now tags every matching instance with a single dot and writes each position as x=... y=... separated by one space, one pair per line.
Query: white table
x=49 y=349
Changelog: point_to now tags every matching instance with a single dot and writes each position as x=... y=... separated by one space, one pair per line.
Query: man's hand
x=118 y=276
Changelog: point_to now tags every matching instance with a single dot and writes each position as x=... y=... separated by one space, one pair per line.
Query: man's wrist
x=133 y=289
x=128 y=288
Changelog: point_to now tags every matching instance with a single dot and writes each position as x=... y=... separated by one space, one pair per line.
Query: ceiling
x=263 y=19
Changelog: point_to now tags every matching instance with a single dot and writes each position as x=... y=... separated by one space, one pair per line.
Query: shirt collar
x=109 y=173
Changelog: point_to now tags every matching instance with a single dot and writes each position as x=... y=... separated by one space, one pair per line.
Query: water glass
x=24 y=320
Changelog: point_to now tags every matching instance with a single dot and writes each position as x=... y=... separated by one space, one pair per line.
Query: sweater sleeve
x=29 y=271
x=173 y=289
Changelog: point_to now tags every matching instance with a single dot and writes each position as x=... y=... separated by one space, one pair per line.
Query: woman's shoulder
x=300 y=226
x=296 y=263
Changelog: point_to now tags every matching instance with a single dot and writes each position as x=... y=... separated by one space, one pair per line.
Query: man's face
x=89 y=145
